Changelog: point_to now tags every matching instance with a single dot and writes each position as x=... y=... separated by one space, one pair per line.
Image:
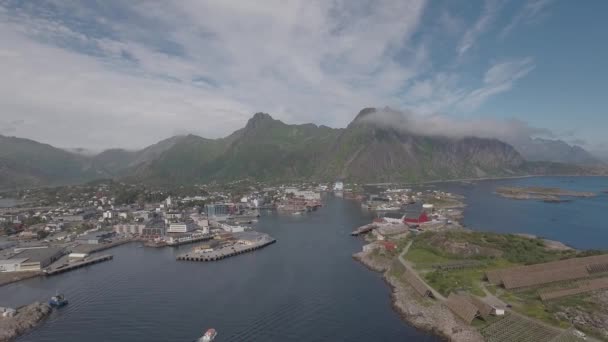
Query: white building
x=232 y=229
x=338 y=186
x=129 y=228
x=11 y=265
x=181 y=227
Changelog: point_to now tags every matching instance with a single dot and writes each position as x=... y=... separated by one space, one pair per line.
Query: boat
x=208 y=336
x=58 y=300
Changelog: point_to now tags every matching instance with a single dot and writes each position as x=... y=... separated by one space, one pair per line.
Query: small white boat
x=208 y=336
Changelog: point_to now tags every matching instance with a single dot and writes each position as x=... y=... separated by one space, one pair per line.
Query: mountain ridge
x=270 y=150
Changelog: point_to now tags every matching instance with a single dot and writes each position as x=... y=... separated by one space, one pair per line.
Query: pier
x=363 y=229
x=224 y=252
x=78 y=264
x=193 y=240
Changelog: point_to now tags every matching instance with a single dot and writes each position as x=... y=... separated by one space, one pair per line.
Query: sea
x=306 y=287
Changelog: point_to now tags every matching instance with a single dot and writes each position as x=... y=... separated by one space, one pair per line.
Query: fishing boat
x=58 y=300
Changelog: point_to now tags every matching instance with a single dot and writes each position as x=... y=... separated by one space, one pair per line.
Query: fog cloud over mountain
x=448 y=126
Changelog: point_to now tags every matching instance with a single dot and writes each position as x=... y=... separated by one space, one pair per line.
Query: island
x=466 y=285
x=540 y=193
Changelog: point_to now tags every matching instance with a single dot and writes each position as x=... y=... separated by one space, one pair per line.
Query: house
x=422 y=218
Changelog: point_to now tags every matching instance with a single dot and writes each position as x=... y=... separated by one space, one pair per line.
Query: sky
x=113 y=73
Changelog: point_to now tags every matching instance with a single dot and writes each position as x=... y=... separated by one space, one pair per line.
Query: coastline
x=26 y=318
x=429 y=316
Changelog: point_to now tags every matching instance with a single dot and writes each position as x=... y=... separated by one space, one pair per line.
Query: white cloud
x=528 y=13
x=446 y=126
x=499 y=78
x=447 y=92
x=131 y=73
x=487 y=17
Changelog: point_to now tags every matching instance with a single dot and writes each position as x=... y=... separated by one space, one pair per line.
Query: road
x=409 y=268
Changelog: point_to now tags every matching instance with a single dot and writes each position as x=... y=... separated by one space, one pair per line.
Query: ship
x=58 y=300
x=208 y=336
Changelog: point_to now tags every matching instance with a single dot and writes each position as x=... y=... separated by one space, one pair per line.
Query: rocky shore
x=26 y=318
x=428 y=315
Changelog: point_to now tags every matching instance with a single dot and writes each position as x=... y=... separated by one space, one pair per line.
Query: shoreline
x=26 y=318
x=432 y=317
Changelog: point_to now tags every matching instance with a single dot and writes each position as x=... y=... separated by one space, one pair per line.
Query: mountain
x=265 y=149
x=369 y=151
x=27 y=163
x=537 y=149
x=270 y=150
x=372 y=148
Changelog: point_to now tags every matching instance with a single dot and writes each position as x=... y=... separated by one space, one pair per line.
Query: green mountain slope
x=366 y=151
x=27 y=163
x=270 y=150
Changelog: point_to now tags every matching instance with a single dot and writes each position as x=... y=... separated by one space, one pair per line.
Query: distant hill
x=27 y=163
x=271 y=150
x=268 y=149
x=537 y=149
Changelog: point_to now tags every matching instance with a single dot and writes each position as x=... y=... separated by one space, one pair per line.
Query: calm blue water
x=306 y=287
x=582 y=223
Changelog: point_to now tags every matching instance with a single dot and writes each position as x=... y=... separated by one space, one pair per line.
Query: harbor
x=251 y=242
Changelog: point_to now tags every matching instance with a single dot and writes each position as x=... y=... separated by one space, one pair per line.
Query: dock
x=193 y=240
x=363 y=229
x=224 y=252
x=78 y=264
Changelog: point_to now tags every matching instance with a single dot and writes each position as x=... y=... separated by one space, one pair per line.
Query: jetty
x=363 y=229
x=225 y=252
x=77 y=264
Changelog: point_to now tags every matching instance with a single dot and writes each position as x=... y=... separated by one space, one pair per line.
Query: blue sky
x=100 y=74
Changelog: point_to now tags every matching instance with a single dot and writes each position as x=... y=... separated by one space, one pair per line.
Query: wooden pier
x=223 y=253
x=78 y=264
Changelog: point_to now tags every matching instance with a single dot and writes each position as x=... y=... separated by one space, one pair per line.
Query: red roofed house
x=421 y=219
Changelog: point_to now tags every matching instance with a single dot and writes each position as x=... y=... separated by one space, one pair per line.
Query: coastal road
x=409 y=267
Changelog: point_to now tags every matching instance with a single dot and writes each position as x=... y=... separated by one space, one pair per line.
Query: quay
x=224 y=252
x=77 y=264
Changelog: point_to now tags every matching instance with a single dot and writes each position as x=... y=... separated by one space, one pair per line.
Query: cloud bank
x=129 y=73
x=446 y=126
